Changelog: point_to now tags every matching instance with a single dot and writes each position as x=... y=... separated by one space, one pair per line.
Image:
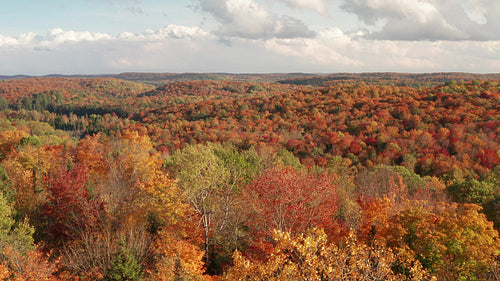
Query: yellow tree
x=455 y=242
x=452 y=241
x=310 y=256
x=178 y=243
x=148 y=226
x=9 y=140
x=117 y=167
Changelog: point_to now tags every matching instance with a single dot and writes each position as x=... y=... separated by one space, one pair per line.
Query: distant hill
x=389 y=78
x=165 y=78
x=21 y=76
x=159 y=79
x=373 y=78
x=12 y=77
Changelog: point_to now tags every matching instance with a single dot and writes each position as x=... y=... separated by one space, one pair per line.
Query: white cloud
x=61 y=51
x=22 y=39
x=428 y=19
x=325 y=49
x=248 y=19
x=335 y=51
x=370 y=11
x=476 y=10
x=58 y=36
x=179 y=32
x=316 y=5
x=127 y=35
x=177 y=48
x=6 y=41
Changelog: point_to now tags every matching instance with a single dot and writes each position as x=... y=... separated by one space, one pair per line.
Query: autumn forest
x=137 y=176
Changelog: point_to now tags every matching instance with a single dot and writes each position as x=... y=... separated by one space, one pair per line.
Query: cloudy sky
x=249 y=36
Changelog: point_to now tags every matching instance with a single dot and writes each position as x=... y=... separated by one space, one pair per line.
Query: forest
x=375 y=176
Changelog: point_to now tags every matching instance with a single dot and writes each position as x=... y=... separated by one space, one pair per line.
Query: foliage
x=210 y=177
x=19 y=258
x=122 y=180
x=16 y=236
x=311 y=257
x=472 y=191
x=124 y=266
x=293 y=201
x=444 y=237
x=71 y=210
x=5 y=186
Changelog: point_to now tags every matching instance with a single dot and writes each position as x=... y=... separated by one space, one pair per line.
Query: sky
x=249 y=36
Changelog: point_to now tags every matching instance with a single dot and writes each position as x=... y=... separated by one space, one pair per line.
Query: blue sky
x=248 y=36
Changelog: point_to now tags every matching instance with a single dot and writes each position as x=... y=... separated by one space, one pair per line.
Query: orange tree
x=453 y=241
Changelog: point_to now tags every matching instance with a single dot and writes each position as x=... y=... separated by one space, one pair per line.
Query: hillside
x=159 y=79
x=251 y=176
x=325 y=79
x=386 y=78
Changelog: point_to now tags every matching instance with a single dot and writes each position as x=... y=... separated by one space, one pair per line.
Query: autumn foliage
x=292 y=201
x=353 y=177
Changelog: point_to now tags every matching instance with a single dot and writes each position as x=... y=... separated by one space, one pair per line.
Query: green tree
x=5 y=186
x=210 y=176
x=4 y=104
x=472 y=191
x=124 y=266
x=18 y=237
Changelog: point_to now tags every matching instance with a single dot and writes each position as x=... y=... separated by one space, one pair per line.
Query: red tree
x=71 y=209
x=293 y=201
